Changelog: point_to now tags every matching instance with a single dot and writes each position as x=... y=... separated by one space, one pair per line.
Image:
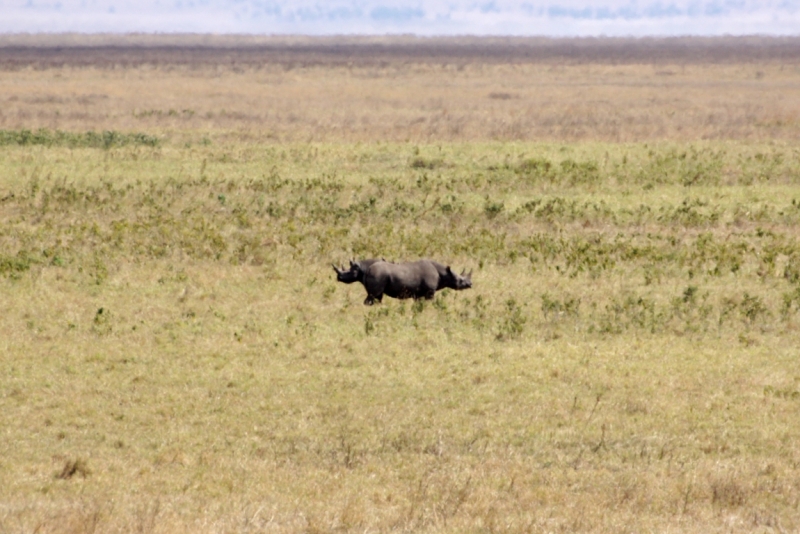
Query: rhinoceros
x=419 y=279
x=356 y=272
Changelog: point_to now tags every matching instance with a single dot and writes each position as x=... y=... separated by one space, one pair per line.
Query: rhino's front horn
x=336 y=269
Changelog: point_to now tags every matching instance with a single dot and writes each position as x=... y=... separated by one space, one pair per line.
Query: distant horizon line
x=387 y=35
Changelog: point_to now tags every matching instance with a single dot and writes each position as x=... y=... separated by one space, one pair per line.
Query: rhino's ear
x=448 y=270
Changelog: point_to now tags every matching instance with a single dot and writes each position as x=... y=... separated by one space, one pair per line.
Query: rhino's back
x=364 y=265
x=440 y=269
x=404 y=280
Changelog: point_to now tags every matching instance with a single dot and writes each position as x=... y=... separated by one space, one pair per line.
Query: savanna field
x=177 y=356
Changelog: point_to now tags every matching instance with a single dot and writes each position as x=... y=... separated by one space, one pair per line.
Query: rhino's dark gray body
x=419 y=279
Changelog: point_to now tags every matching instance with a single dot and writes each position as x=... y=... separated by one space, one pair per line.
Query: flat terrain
x=176 y=356
x=400 y=90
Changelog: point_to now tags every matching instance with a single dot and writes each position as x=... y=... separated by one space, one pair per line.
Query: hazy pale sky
x=431 y=17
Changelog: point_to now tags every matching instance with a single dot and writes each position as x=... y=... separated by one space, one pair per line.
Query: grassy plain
x=176 y=356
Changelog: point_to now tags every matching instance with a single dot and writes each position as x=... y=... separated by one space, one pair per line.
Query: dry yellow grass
x=425 y=95
x=175 y=355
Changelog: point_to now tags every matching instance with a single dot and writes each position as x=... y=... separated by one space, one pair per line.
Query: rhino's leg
x=375 y=289
x=370 y=300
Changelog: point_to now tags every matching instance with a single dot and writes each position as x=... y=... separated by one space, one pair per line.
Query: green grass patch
x=105 y=139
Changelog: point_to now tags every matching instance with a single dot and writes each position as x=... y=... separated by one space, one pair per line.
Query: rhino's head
x=354 y=274
x=457 y=281
x=356 y=271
